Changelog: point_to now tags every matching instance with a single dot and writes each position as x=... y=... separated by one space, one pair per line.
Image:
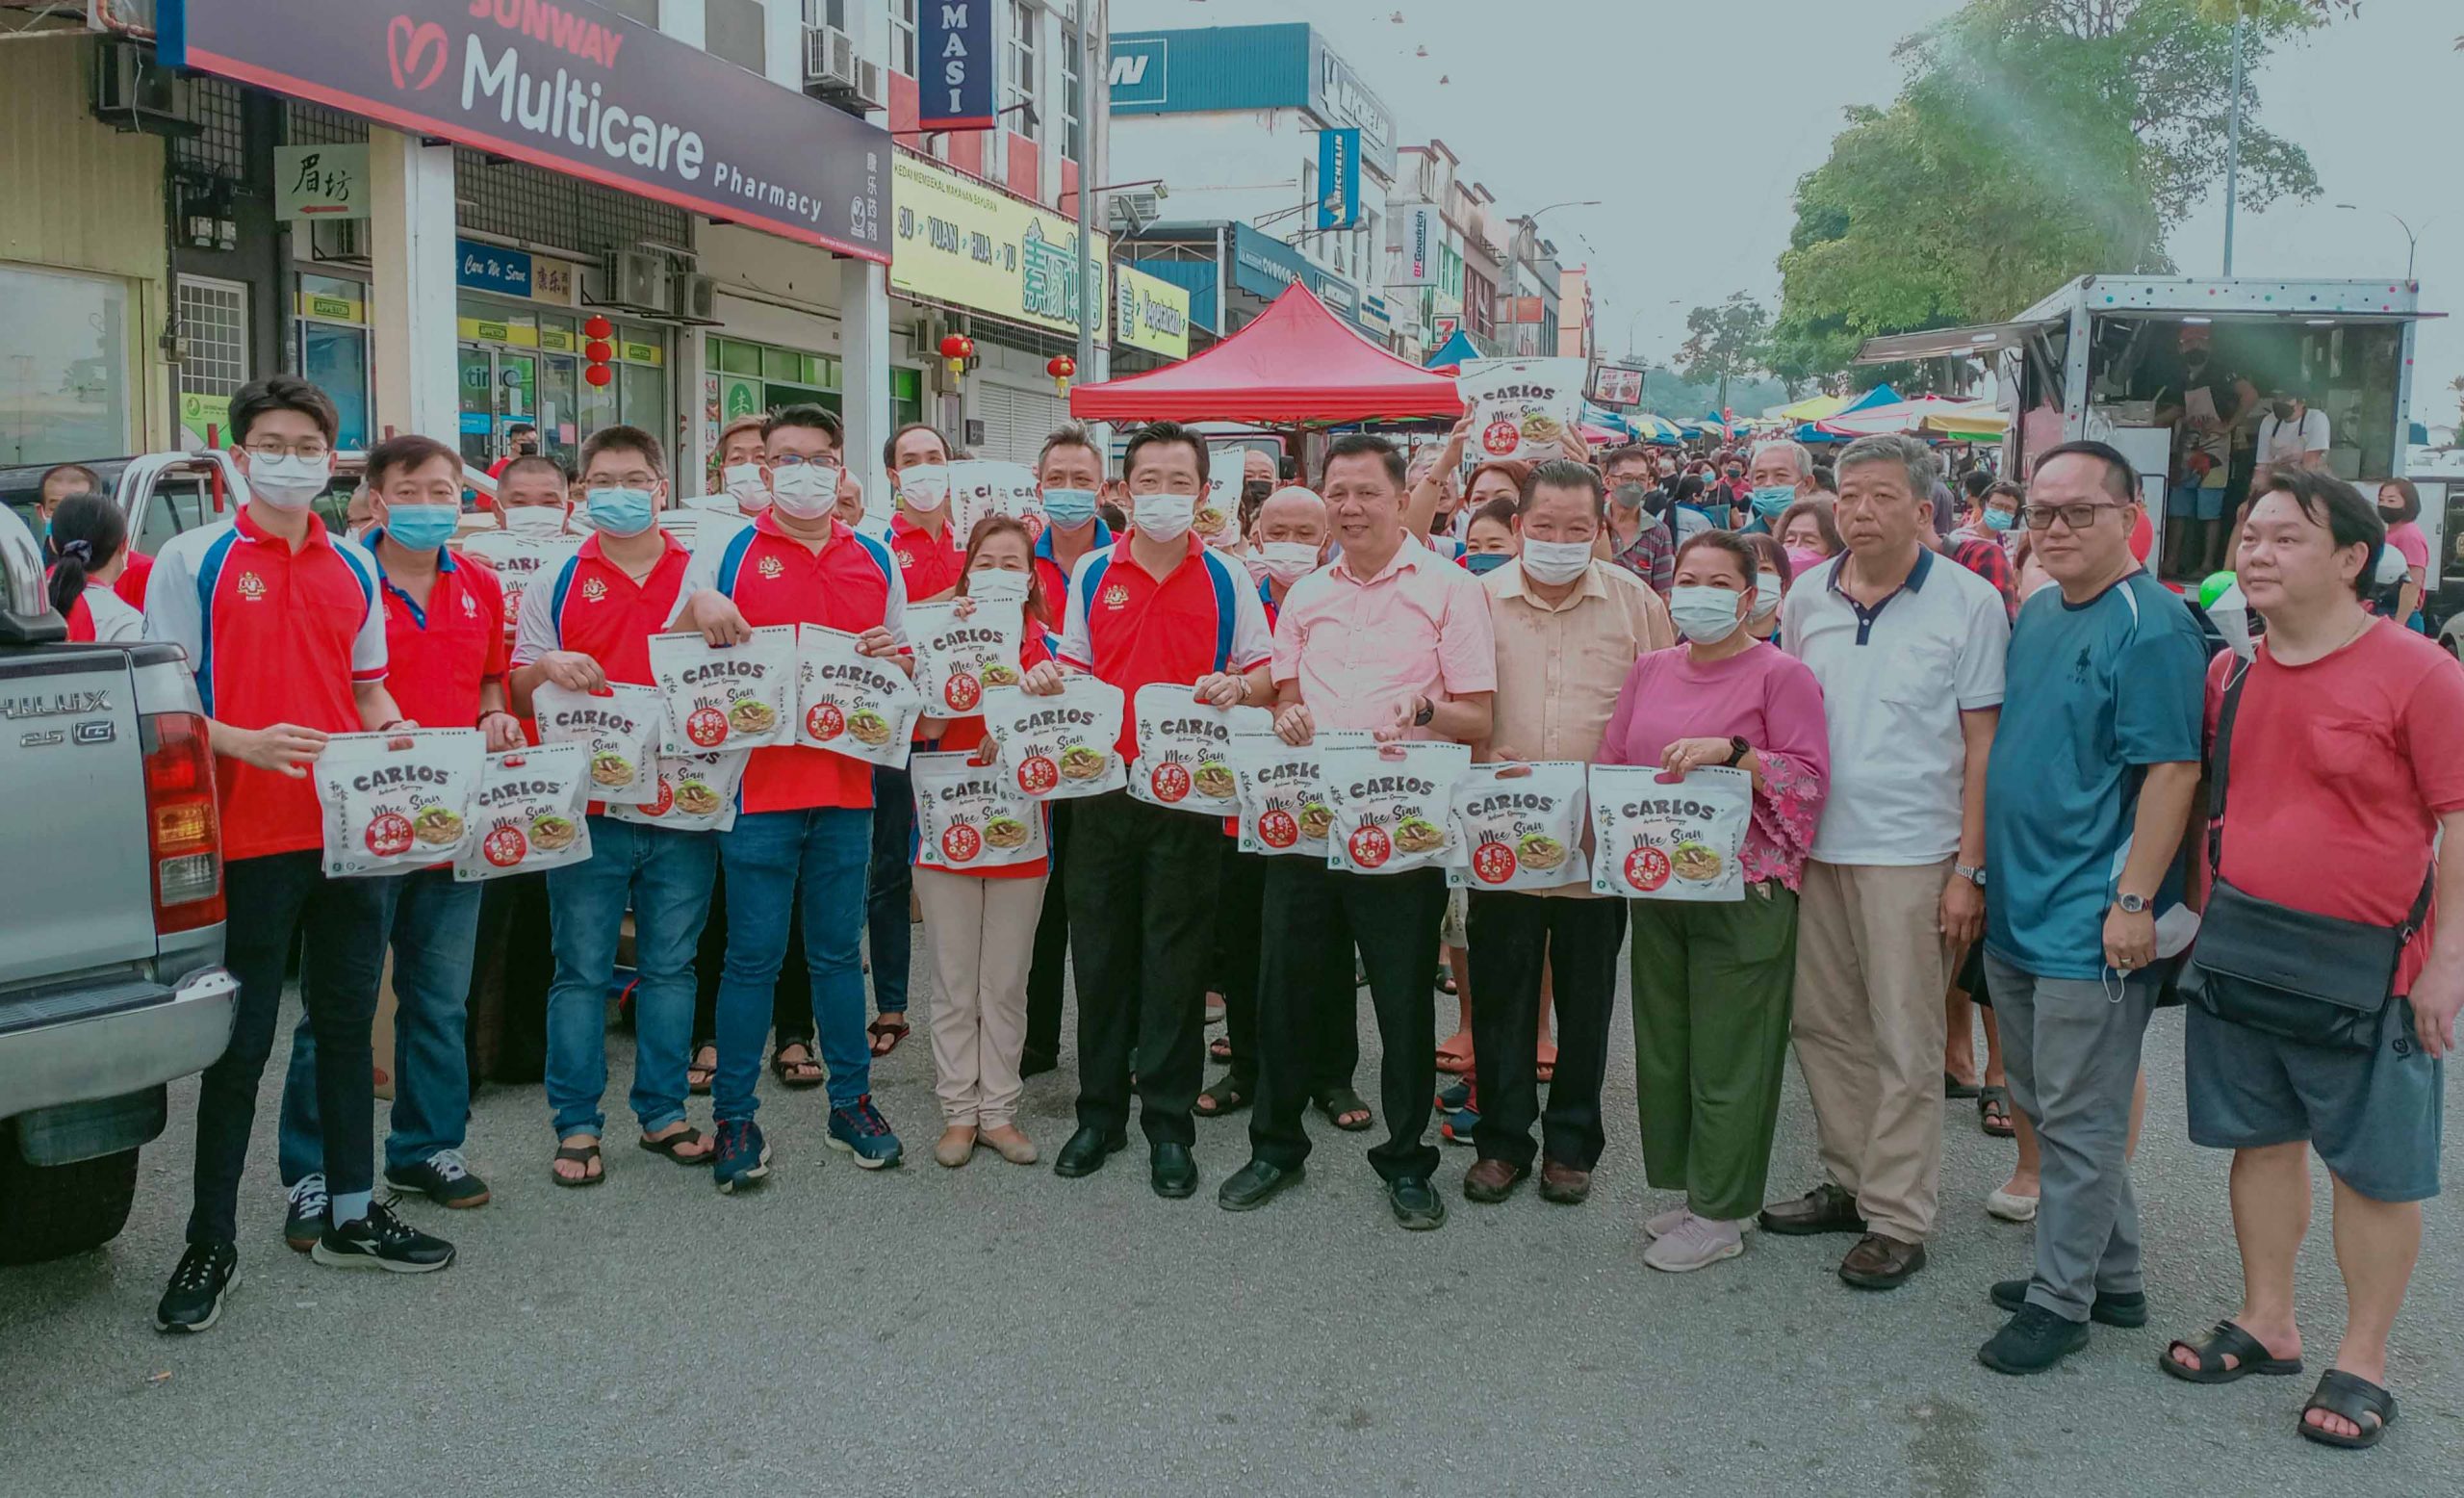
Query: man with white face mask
x=744 y=479
x=1568 y=626
x=1290 y=539
x=1156 y=606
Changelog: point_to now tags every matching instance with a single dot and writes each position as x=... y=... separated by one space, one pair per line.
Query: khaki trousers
x=1871 y=969
x=983 y=936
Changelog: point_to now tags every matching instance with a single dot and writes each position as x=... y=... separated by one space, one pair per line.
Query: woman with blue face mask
x=1492 y=541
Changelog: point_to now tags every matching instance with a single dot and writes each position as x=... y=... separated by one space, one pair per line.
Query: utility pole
x=1093 y=87
x=2233 y=143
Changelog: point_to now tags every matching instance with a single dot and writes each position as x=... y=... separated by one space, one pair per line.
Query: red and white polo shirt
x=1132 y=629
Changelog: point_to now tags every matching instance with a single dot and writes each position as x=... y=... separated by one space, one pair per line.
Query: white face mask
x=925 y=487
x=1705 y=615
x=289 y=482
x=1164 y=517
x=1766 y=593
x=744 y=485
x=1288 y=561
x=996 y=586
x=1554 y=562
x=533 y=520
x=806 y=491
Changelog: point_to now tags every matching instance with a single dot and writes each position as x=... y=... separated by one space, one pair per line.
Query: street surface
x=995 y=1329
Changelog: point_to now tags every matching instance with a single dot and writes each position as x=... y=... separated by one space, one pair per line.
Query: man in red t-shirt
x=2340 y=771
x=445 y=647
x=283 y=626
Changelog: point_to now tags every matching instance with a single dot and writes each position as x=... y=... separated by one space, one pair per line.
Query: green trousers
x=1713 y=989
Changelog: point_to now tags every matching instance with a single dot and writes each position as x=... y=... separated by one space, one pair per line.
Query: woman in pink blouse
x=1713 y=982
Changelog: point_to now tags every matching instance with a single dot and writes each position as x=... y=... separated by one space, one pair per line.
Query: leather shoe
x=1416 y=1202
x=1563 y=1184
x=1172 y=1172
x=2114 y=1308
x=1826 y=1209
x=1492 y=1180
x=1255 y=1184
x=1086 y=1152
x=1879 y=1262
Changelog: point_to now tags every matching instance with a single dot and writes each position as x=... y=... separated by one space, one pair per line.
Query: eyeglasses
x=790 y=460
x=311 y=449
x=2078 y=517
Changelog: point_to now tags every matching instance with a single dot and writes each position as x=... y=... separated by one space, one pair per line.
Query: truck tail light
x=183 y=828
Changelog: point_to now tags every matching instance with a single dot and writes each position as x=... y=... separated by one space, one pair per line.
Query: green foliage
x=1724 y=341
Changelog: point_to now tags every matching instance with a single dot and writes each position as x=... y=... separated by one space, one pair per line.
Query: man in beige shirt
x=1569 y=628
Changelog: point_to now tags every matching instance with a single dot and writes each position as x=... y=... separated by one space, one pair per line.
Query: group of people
x=1950 y=754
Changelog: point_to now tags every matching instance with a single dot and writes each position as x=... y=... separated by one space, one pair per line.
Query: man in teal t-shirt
x=2089 y=788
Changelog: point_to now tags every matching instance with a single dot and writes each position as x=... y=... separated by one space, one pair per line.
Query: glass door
x=477 y=380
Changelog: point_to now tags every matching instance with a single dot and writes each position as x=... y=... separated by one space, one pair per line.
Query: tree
x=1724 y=342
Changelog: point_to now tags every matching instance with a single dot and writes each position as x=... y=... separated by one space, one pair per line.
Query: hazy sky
x=1692 y=122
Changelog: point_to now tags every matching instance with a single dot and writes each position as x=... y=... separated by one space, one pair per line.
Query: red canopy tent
x=1296 y=366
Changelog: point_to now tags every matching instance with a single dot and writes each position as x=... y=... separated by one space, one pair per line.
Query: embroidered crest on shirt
x=1116 y=596
x=593 y=591
x=771 y=567
x=905 y=559
x=470 y=607
x=251 y=586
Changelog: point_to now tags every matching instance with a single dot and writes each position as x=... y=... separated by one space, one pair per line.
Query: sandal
x=887 y=1032
x=1446 y=981
x=584 y=1156
x=2371 y=1408
x=1993 y=1112
x=1453 y=1060
x=798 y=1075
x=2230 y=1340
x=1224 y=1097
x=1544 y=1066
x=681 y=1146
x=698 y=1074
x=1219 y=1047
x=1953 y=1087
x=1342 y=1104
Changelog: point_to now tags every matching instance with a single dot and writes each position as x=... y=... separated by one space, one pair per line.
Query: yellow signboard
x=518 y=332
x=970 y=244
x=1151 y=313
x=206 y=418
x=332 y=309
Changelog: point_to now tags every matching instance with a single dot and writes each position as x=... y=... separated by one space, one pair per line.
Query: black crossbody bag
x=2286 y=972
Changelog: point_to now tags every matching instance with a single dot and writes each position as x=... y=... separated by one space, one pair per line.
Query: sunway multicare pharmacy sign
x=569 y=85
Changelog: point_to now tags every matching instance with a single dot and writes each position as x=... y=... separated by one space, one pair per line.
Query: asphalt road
x=996 y=1330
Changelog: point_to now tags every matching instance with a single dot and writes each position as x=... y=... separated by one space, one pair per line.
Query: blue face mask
x=1070 y=508
x=1772 y=501
x=422 y=527
x=1996 y=519
x=618 y=512
x=1486 y=561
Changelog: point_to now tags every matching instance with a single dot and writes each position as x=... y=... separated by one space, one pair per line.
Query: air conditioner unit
x=633 y=279
x=1132 y=209
x=694 y=299
x=830 y=61
x=338 y=238
x=134 y=92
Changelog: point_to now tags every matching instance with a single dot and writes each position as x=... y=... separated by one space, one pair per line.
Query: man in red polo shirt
x=282 y=626
x=806 y=815
x=445 y=653
x=1157 y=606
x=586 y=621
x=930 y=555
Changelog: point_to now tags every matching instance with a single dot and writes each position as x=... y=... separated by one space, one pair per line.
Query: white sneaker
x=1661 y=1225
x=1694 y=1244
x=2010 y=1206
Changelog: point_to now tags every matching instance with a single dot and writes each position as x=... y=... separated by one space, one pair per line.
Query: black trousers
x=1511 y=935
x=1319 y=915
x=889 y=877
x=515 y=966
x=790 y=1003
x=272 y=899
x=1050 y=966
x=1329 y=1006
x=1142 y=885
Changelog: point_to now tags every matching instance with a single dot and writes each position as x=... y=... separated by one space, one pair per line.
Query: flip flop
x=582 y=1155
x=2370 y=1407
x=1990 y=1101
x=2229 y=1340
x=1455 y=1062
x=1219 y=1047
x=798 y=1074
x=698 y=1077
x=887 y=1032
x=681 y=1140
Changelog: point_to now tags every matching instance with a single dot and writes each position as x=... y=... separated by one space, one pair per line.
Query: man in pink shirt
x=1396 y=639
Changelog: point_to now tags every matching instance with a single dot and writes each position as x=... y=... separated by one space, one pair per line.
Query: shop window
x=1019 y=68
x=783 y=364
x=902 y=35
x=214 y=353
x=65 y=367
x=736 y=30
x=905 y=396
x=335 y=360
x=735 y=357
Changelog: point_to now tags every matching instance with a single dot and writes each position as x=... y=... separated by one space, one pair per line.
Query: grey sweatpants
x=2071 y=1050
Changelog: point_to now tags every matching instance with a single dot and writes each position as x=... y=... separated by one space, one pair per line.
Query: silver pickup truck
x=111 y=913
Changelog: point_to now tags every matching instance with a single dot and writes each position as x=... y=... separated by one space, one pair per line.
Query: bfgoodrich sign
x=569 y=85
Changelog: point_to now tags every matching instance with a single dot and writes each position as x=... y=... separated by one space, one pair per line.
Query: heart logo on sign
x=416 y=52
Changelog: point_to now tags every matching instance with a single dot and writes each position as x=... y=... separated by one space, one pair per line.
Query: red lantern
x=598 y=375
x=598 y=327
x=1061 y=367
x=958 y=349
x=599 y=351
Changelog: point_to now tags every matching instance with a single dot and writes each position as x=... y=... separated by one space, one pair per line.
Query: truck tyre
x=49 y=1211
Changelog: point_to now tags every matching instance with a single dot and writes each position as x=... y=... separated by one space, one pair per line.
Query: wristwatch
x=1738 y=749
x=1974 y=876
x=1427 y=714
x=2132 y=904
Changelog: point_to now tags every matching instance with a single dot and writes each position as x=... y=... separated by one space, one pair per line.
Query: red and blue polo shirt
x=1051 y=579
x=931 y=564
x=1133 y=629
x=849 y=583
x=441 y=656
x=274 y=636
x=586 y=603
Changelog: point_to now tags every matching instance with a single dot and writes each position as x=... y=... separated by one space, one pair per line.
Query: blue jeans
x=889 y=879
x=666 y=875
x=765 y=854
x=434 y=927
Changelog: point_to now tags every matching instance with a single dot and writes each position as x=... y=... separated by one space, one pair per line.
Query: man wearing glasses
x=2085 y=802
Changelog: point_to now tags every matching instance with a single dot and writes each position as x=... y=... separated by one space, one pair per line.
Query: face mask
x=533 y=520
x=1482 y=563
x=618 y=512
x=423 y=528
x=2000 y=520
x=1705 y=615
x=289 y=482
x=1254 y=492
x=989 y=585
x=526 y=449
x=1165 y=517
x=806 y=491
x=2284 y=410
x=1633 y=496
x=1070 y=508
x=1772 y=500
x=1555 y=563
x=744 y=485
x=1766 y=593
x=925 y=487
x=1801 y=560
x=1288 y=561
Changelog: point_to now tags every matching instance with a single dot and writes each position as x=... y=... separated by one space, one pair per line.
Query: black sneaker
x=304 y=1221
x=193 y=1299
x=380 y=1240
x=2127 y=1308
x=443 y=1178
x=2033 y=1342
